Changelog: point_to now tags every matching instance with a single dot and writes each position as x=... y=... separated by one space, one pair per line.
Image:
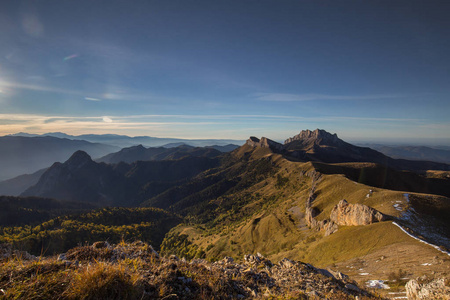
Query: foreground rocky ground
x=136 y=271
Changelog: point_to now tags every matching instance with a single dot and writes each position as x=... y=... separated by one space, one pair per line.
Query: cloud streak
x=281 y=97
x=212 y=118
x=110 y=92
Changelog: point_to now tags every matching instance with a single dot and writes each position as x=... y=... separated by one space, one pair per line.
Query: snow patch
x=396 y=293
x=364 y=274
x=397 y=207
x=406 y=197
x=377 y=284
x=416 y=238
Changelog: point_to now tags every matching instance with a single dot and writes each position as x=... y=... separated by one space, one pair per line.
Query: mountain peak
x=78 y=159
x=318 y=135
x=264 y=143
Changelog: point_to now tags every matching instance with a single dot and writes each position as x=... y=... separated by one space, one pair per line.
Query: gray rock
x=435 y=289
x=352 y=287
x=339 y=275
x=355 y=214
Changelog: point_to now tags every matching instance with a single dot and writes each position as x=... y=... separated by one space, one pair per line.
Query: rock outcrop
x=318 y=136
x=7 y=252
x=355 y=214
x=255 y=277
x=311 y=212
x=343 y=213
x=436 y=289
x=265 y=143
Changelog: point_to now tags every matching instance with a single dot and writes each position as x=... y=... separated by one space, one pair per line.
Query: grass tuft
x=104 y=281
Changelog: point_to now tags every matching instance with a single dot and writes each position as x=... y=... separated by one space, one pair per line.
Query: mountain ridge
x=82 y=179
x=123 y=141
x=135 y=153
x=320 y=145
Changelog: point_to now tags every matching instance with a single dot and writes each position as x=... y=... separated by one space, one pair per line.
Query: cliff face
x=355 y=214
x=317 y=136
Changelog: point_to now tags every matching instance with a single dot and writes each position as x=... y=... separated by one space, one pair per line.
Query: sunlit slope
x=273 y=222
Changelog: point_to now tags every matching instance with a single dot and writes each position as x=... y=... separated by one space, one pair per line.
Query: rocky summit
x=322 y=146
x=136 y=271
x=318 y=136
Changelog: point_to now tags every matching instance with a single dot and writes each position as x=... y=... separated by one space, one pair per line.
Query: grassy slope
x=277 y=229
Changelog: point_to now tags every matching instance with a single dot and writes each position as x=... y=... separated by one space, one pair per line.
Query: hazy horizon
x=430 y=142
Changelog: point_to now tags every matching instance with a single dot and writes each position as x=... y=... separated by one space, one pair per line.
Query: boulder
x=435 y=289
x=348 y=214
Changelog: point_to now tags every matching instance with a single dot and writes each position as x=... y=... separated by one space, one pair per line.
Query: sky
x=370 y=71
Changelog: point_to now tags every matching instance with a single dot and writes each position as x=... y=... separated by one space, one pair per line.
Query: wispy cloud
x=281 y=97
x=187 y=119
x=110 y=93
x=12 y=123
x=281 y=118
x=92 y=99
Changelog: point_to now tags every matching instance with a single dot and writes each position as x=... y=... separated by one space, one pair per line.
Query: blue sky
x=367 y=70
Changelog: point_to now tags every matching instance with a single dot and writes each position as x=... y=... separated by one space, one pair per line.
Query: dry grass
x=149 y=277
x=105 y=281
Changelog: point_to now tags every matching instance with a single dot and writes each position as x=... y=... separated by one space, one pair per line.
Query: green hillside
x=107 y=224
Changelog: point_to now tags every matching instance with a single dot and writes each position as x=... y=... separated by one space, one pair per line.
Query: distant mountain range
x=135 y=153
x=441 y=154
x=81 y=179
x=23 y=155
x=123 y=141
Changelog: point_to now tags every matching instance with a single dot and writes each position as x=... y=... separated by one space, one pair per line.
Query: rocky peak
x=78 y=159
x=138 y=148
x=264 y=143
x=253 y=141
x=318 y=135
